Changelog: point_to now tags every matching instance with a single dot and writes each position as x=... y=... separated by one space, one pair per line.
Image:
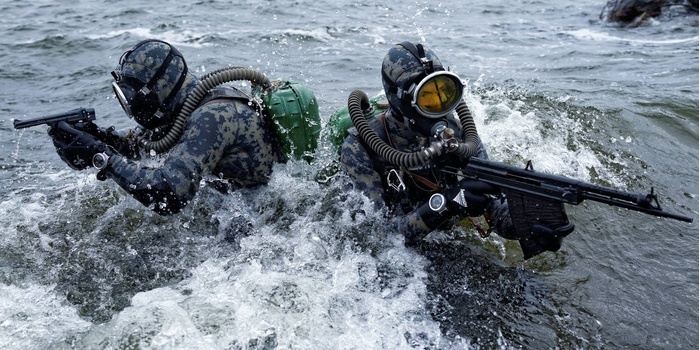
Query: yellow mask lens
x=438 y=94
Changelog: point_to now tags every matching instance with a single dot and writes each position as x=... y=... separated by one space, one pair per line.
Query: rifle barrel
x=560 y=188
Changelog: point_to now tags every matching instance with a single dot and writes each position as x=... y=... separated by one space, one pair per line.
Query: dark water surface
x=304 y=265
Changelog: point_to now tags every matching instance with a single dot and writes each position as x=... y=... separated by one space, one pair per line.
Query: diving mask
x=121 y=97
x=437 y=94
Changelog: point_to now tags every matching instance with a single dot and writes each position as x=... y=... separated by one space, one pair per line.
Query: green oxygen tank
x=340 y=122
x=294 y=113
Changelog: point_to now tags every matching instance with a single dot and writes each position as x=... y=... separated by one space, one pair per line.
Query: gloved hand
x=549 y=238
x=75 y=147
x=107 y=135
x=88 y=127
x=469 y=197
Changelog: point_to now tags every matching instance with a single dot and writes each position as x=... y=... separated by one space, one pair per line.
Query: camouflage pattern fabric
x=368 y=172
x=143 y=62
x=223 y=139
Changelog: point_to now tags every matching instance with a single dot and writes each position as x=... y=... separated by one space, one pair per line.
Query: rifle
x=73 y=116
x=536 y=198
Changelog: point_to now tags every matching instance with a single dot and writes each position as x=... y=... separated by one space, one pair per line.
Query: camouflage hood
x=155 y=81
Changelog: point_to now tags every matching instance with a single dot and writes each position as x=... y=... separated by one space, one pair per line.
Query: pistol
x=73 y=116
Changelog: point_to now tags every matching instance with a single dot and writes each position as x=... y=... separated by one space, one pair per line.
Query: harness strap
x=433 y=186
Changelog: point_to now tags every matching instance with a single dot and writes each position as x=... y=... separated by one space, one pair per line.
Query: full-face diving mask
x=121 y=97
x=435 y=95
x=151 y=65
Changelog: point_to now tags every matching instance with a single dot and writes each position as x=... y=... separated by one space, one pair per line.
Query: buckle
x=393 y=179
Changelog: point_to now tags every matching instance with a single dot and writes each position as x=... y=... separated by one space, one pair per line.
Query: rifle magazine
x=528 y=214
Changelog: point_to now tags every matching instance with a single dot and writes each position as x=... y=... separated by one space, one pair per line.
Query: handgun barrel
x=73 y=115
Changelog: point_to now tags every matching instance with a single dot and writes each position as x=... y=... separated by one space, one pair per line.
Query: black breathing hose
x=358 y=101
x=470 y=146
x=208 y=82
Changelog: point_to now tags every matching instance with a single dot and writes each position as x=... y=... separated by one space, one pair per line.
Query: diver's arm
x=168 y=188
x=123 y=141
x=497 y=212
x=479 y=197
x=160 y=189
x=358 y=165
x=418 y=223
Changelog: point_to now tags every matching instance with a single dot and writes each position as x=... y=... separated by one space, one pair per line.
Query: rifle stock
x=559 y=188
x=72 y=116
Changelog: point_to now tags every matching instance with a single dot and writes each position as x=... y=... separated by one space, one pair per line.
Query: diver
x=220 y=136
x=396 y=157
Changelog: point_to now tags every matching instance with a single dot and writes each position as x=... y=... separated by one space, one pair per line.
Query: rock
x=634 y=12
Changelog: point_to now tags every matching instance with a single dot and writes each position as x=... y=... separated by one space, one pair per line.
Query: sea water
x=305 y=263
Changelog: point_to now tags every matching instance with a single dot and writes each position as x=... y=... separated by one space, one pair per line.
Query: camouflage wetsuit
x=224 y=138
x=369 y=173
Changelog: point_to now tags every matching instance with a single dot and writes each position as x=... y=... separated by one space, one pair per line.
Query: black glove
x=110 y=135
x=88 y=127
x=469 y=197
x=549 y=238
x=74 y=146
x=466 y=198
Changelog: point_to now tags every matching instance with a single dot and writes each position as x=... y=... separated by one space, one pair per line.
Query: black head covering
x=154 y=79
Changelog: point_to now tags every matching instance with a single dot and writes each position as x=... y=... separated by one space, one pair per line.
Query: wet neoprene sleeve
x=226 y=139
x=417 y=224
x=358 y=165
x=151 y=186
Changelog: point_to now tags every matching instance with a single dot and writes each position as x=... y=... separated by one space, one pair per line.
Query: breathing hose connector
x=359 y=102
x=448 y=142
x=434 y=150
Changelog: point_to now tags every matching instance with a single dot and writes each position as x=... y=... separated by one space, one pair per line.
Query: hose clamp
x=434 y=150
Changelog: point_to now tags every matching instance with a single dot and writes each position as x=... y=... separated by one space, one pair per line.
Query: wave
x=589 y=34
x=321 y=34
x=34 y=317
x=177 y=38
x=517 y=125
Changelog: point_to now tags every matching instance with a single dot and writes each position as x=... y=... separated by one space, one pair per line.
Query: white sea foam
x=306 y=288
x=590 y=34
x=33 y=317
x=222 y=306
x=178 y=38
x=509 y=133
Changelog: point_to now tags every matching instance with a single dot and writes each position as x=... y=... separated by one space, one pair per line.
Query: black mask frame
x=139 y=99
